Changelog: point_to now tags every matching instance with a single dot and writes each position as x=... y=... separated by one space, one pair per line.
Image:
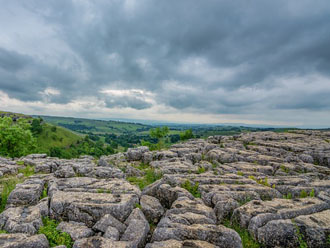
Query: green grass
x=245 y=200
x=102 y=191
x=192 y=188
x=302 y=242
x=27 y=171
x=261 y=181
x=3 y=231
x=247 y=239
x=303 y=194
x=312 y=193
x=142 y=166
x=20 y=162
x=44 y=192
x=285 y=169
x=137 y=205
x=61 y=137
x=8 y=185
x=96 y=126
x=150 y=177
x=54 y=236
x=201 y=170
x=240 y=173
x=288 y=196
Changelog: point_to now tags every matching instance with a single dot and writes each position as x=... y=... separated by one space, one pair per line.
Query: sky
x=187 y=61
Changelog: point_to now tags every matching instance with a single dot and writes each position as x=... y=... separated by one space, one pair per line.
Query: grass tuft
x=8 y=186
x=27 y=171
x=55 y=237
x=192 y=188
x=247 y=239
x=20 y=162
x=150 y=177
x=201 y=170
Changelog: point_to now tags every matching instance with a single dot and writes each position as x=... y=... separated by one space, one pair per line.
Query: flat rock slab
x=93 y=185
x=21 y=220
x=181 y=244
x=90 y=207
x=75 y=229
x=174 y=166
x=313 y=229
x=27 y=193
x=192 y=220
x=217 y=235
x=255 y=214
x=100 y=242
x=19 y=240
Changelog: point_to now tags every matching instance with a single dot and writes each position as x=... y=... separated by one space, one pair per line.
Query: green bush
x=54 y=236
x=16 y=139
x=192 y=188
x=188 y=134
x=36 y=127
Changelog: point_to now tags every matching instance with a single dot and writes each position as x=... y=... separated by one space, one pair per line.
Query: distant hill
x=96 y=126
x=55 y=136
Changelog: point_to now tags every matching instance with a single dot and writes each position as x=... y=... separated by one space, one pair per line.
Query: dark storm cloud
x=204 y=56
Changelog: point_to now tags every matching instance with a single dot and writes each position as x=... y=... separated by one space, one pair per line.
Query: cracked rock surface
x=274 y=186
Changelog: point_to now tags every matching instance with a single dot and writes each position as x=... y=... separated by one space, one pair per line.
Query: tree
x=159 y=132
x=16 y=138
x=36 y=127
x=188 y=134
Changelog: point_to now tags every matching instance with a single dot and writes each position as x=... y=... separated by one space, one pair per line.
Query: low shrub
x=55 y=237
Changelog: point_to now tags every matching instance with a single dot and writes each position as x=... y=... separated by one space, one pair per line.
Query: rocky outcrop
x=275 y=186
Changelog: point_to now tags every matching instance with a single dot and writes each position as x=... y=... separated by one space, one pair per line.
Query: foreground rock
x=274 y=185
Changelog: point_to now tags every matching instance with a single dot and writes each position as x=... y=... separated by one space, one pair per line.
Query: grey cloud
x=260 y=42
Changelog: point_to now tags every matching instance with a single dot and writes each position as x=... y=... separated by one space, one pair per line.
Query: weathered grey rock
x=36 y=156
x=103 y=162
x=135 y=154
x=130 y=171
x=43 y=207
x=100 y=242
x=181 y=244
x=255 y=214
x=64 y=172
x=137 y=229
x=111 y=233
x=151 y=208
x=20 y=175
x=217 y=235
x=86 y=184
x=19 y=240
x=107 y=172
x=90 y=207
x=43 y=168
x=109 y=221
x=21 y=220
x=27 y=193
x=75 y=229
x=174 y=166
x=312 y=229
x=167 y=194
